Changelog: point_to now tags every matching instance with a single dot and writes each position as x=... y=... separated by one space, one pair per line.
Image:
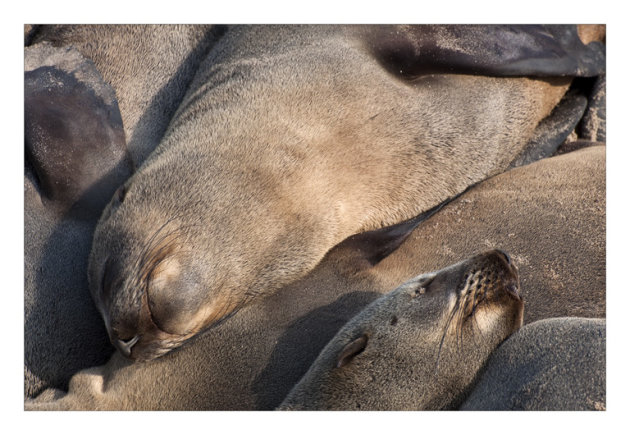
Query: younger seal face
x=420 y=346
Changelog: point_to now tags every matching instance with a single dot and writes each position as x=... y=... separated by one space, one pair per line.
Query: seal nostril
x=120 y=194
x=125 y=346
x=512 y=288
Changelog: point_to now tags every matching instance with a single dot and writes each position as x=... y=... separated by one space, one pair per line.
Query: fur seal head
x=159 y=276
x=147 y=297
x=420 y=346
x=151 y=283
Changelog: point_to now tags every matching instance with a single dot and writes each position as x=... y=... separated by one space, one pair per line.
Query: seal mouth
x=491 y=279
x=152 y=349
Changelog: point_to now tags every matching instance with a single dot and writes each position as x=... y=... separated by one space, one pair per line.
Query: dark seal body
x=148 y=66
x=75 y=158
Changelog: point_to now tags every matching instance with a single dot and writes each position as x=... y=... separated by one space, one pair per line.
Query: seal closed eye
x=447 y=324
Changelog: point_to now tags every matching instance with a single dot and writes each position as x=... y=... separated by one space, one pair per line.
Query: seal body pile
x=289 y=140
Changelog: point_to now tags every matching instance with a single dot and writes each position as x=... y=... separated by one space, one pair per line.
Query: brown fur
x=149 y=66
x=591 y=32
x=446 y=325
x=289 y=140
x=251 y=360
x=550 y=365
x=550 y=216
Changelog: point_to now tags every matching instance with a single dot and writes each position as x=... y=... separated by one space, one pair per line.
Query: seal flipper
x=74 y=137
x=553 y=130
x=365 y=250
x=493 y=50
x=593 y=124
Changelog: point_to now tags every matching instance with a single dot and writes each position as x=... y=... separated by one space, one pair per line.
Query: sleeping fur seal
x=419 y=347
x=292 y=138
x=97 y=100
x=252 y=359
x=75 y=158
x=249 y=361
x=550 y=365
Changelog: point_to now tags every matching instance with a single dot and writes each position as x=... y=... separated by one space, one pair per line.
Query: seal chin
x=149 y=350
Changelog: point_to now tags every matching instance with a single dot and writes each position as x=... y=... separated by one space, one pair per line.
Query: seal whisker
x=460 y=323
x=475 y=303
x=445 y=331
x=461 y=318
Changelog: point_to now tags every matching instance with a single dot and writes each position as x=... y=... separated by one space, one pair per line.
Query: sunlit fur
x=289 y=140
x=253 y=359
x=447 y=324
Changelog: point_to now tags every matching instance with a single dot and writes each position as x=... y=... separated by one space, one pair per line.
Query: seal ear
x=74 y=137
x=494 y=50
x=351 y=350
